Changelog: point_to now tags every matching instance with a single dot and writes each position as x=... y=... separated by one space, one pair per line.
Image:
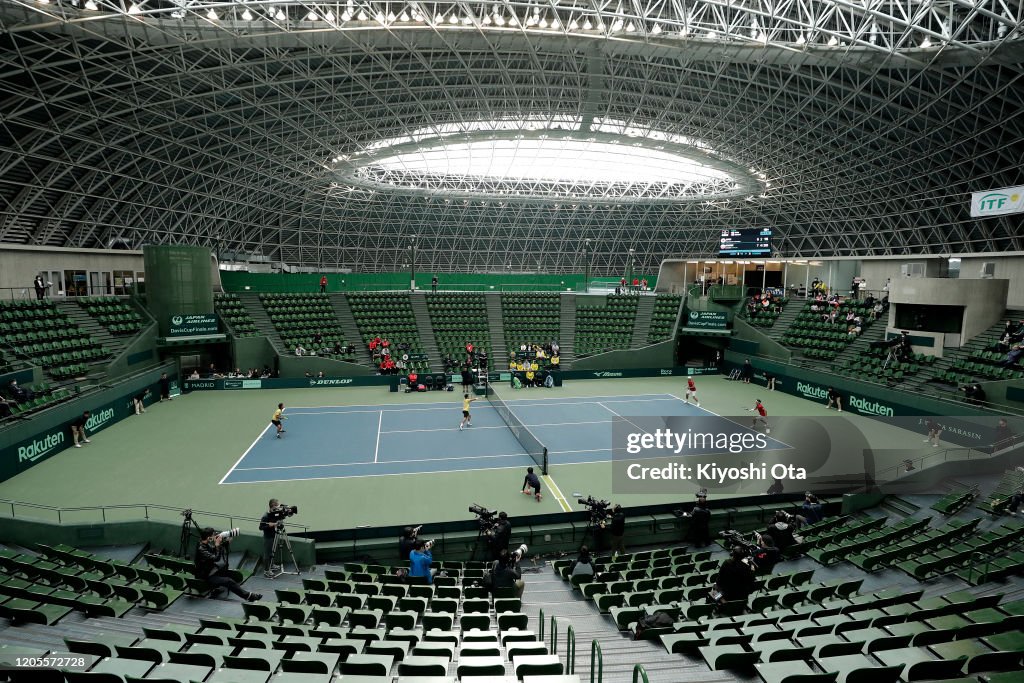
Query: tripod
x=277 y=553
x=185 y=544
x=889 y=358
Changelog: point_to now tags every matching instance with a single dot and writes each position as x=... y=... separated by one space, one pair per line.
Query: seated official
x=211 y=565
x=735 y=580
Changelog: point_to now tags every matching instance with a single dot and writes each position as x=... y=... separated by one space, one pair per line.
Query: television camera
x=599 y=510
x=487 y=519
x=282 y=512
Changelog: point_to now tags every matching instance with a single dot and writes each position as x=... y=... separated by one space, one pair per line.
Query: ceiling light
x=346 y=16
x=380 y=17
x=555 y=24
x=617 y=25
x=404 y=16
x=362 y=16
x=543 y=22
x=926 y=43
x=212 y=15
x=44 y=2
x=573 y=25
x=391 y=17
x=587 y=25
x=833 y=41
x=499 y=20
x=467 y=20
x=487 y=20
x=657 y=29
x=91 y=5
x=631 y=28
x=329 y=16
x=281 y=16
x=800 y=40
x=246 y=14
x=454 y=19
x=311 y=16
x=513 y=20
x=134 y=9
x=438 y=19
x=712 y=35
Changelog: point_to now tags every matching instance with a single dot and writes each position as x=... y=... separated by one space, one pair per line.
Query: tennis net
x=530 y=443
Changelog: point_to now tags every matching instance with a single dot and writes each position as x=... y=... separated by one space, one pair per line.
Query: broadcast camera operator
x=617 y=530
x=700 y=520
x=499 y=535
x=211 y=562
x=407 y=541
x=505 y=572
x=735 y=580
x=271 y=523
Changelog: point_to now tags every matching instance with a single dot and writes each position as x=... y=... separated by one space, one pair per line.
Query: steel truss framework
x=869 y=123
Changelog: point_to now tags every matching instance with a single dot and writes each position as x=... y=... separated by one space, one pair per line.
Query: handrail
x=540 y=627
x=595 y=653
x=920 y=463
x=570 y=650
x=554 y=635
x=146 y=508
x=639 y=672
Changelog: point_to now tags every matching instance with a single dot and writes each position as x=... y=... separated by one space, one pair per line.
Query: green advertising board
x=193 y=325
x=706 y=320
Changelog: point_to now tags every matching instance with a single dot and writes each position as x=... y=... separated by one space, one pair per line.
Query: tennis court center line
x=242 y=457
x=557 y=493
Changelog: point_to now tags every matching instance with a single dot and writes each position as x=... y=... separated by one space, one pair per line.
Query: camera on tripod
x=598 y=508
x=229 y=534
x=282 y=512
x=484 y=517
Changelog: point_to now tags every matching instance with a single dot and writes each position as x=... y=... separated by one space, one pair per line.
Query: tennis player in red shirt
x=762 y=416
x=691 y=390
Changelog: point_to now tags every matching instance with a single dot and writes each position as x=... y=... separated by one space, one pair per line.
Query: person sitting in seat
x=767 y=555
x=583 y=565
x=735 y=580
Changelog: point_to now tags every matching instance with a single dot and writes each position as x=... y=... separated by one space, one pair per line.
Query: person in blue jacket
x=420 y=559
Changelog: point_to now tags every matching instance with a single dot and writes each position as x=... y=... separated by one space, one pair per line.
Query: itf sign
x=997 y=202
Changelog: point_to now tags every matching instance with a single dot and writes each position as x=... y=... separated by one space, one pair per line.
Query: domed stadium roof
x=503 y=134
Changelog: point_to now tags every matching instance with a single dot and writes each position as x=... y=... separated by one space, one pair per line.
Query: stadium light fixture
x=246 y=14
x=212 y=15
x=134 y=9
x=91 y=5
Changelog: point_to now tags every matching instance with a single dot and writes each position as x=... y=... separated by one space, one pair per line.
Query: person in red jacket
x=323 y=284
x=636 y=284
x=762 y=416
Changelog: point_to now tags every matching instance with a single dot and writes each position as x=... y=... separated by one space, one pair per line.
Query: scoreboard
x=749 y=242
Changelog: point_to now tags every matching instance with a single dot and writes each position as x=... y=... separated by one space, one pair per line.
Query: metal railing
x=113 y=513
x=570 y=644
x=29 y=292
x=932 y=459
x=596 y=662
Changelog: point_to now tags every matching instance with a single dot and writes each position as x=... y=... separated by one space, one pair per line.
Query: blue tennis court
x=359 y=441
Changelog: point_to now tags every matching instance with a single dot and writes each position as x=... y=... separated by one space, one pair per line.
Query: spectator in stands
x=433 y=284
x=19 y=394
x=748 y=371
x=323 y=284
x=1012 y=356
x=766 y=556
x=338 y=350
x=776 y=488
x=555 y=360
x=40 y=286
x=1015 y=500
x=505 y=573
x=420 y=559
x=318 y=337
x=834 y=399
x=904 y=349
x=300 y=350
x=622 y=284
x=869 y=301
x=211 y=564
x=512 y=361
x=636 y=285
x=974 y=393
x=735 y=580
x=78 y=429
x=195 y=374
x=643 y=284
x=876 y=310
x=1011 y=335
x=1003 y=436
x=583 y=565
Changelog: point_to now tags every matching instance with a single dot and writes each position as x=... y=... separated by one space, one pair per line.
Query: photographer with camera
x=735 y=580
x=505 y=572
x=407 y=541
x=499 y=535
x=766 y=555
x=812 y=509
x=700 y=521
x=211 y=562
x=783 y=530
x=420 y=559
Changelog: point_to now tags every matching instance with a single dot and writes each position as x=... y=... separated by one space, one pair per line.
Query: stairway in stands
x=260 y=318
x=343 y=312
x=496 y=329
x=567 y=331
x=418 y=300
x=872 y=333
x=99 y=334
x=785 y=319
x=642 y=324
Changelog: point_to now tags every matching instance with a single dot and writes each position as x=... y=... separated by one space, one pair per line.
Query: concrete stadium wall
x=653 y=356
x=20 y=264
